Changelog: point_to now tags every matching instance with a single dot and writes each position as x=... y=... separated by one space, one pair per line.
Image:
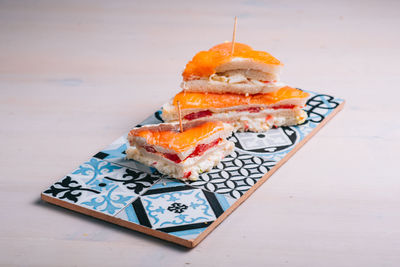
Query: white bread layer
x=170 y=112
x=196 y=166
x=140 y=141
x=262 y=124
x=240 y=75
x=260 y=121
x=188 y=162
x=246 y=87
x=248 y=63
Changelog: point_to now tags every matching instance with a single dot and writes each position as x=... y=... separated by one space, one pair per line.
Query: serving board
x=130 y=194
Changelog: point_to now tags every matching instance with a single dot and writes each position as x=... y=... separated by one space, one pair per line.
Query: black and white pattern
x=319 y=106
x=68 y=189
x=102 y=186
x=136 y=180
x=272 y=141
x=177 y=207
x=234 y=175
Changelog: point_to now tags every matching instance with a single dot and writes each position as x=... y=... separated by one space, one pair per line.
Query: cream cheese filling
x=191 y=167
x=240 y=78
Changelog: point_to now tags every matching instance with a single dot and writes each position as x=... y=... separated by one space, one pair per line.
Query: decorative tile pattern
x=176 y=208
x=102 y=186
x=234 y=175
x=319 y=106
x=69 y=189
x=272 y=141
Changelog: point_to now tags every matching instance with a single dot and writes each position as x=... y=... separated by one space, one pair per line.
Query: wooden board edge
x=246 y=195
x=118 y=221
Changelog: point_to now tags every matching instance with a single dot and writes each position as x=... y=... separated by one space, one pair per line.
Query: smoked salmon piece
x=182 y=155
x=205 y=63
x=173 y=139
x=198 y=100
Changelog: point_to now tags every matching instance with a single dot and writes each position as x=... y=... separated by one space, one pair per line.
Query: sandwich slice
x=258 y=112
x=246 y=71
x=182 y=155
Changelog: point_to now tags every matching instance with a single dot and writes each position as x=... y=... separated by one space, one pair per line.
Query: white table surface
x=75 y=75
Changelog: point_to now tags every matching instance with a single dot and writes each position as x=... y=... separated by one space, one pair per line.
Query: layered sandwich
x=252 y=112
x=240 y=88
x=246 y=71
x=182 y=155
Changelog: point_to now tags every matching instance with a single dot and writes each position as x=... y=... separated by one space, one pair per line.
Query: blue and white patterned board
x=174 y=207
x=133 y=195
x=102 y=186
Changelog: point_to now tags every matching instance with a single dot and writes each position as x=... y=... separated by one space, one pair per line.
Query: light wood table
x=75 y=75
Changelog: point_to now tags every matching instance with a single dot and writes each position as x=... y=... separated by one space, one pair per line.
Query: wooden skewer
x=180 y=117
x=234 y=36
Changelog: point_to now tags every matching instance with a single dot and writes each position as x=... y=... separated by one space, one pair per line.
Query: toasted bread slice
x=246 y=71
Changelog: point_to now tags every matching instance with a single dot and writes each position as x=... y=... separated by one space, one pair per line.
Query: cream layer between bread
x=247 y=87
x=262 y=124
x=259 y=121
x=187 y=169
x=169 y=111
x=240 y=81
x=239 y=63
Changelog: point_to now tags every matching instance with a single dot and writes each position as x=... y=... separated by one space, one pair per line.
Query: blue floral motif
x=153 y=212
x=112 y=203
x=203 y=203
x=103 y=185
x=173 y=196
x=181 y=219
x=95 y=167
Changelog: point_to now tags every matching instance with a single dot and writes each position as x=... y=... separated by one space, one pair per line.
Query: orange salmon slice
x=177 y=141
x=204 y=63
x=199 y=100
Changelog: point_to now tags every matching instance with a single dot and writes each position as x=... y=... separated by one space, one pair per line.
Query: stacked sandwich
x=222 y=92
x=185 y=154
x=242 y=88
